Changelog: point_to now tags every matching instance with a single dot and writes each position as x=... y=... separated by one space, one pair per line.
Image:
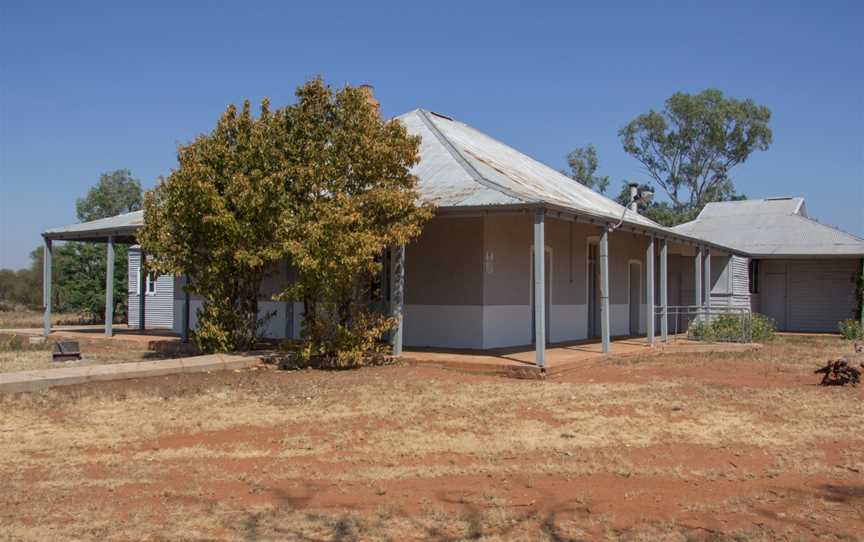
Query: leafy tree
x=216 y=219
x=81 y=267
x=690 y=147
x=323 y=183
x=583 y=163
x=350 y=197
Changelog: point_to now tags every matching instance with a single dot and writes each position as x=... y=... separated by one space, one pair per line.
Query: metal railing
x=713 y=323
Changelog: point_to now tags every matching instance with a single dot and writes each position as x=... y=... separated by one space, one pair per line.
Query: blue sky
x=87 y=87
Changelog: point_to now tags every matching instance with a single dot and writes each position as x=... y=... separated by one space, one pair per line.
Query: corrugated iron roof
x=125 y=224
x=771 y=228
x=767 y=206
x=461 y=166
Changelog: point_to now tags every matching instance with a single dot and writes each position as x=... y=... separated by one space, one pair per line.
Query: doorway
x=547 y=290
x=593 y=292
x=773 y=298
x=635 y=293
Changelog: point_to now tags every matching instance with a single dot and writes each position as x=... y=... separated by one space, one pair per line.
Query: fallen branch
x=839 y=373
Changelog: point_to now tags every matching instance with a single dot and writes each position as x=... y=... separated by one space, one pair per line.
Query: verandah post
x=664 y=291
x=46 y=284
x=539 y=289
x=707 y=283
x=604 y=289
x=397 y=297
x=697 y=282
x=649 y=290
x=142 y=291
x=109 y=288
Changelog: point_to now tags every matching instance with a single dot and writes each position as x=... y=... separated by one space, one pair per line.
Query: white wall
x=443 y=326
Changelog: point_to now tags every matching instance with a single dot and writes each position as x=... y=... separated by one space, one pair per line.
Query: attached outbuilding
x=802 y=274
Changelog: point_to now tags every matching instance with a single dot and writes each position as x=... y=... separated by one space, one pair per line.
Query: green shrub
x=732 y=328
x=851 y=330
x=762 y=328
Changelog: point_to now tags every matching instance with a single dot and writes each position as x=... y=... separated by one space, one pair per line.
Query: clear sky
x=87 y=87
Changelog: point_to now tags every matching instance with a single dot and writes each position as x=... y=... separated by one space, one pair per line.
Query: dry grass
x=17 y=353
x=20 y=319
x=658 y=449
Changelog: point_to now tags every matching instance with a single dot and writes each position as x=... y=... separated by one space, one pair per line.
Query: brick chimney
x=369 y=91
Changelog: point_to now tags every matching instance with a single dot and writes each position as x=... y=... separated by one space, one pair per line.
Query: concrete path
x=27 y=381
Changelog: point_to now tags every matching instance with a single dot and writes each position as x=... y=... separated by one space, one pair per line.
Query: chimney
x=634 y=193
x=369 y=91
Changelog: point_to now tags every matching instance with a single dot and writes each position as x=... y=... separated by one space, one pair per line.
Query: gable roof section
x=771 y=228
x=463 y=167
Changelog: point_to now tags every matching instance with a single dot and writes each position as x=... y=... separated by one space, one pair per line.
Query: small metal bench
x=66 y=350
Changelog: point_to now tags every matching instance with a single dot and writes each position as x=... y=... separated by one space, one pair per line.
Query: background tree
x=117 y=192
x=690 y=147
x=583 y=163
x=349 y=198
x=81 y=267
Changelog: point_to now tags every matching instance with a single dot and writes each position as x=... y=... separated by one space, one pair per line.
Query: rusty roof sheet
x=462 y=166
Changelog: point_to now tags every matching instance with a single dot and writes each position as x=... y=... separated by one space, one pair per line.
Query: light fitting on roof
x=636 y=197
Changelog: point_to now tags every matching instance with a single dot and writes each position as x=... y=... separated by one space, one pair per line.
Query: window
x=753 y=276
x=721 y=277
x=149 y=282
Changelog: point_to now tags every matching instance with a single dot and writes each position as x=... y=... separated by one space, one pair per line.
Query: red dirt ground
x=790 y=470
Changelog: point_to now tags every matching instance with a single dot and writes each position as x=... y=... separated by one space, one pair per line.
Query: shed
x=803 y=273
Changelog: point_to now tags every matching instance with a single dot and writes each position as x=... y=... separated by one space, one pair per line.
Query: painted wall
x=443 y=285
x=279 y=319
x=468 y=283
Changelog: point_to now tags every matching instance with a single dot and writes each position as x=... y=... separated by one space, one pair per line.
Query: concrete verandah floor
x=560 y=357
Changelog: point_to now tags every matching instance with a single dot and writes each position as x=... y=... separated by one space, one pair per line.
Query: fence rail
x=696 y=322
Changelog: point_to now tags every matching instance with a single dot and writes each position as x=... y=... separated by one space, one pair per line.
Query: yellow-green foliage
x=323 y=183
x=357 y=200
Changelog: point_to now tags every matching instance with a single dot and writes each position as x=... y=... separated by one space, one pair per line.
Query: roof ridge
x=471 y=170
x=577 y=185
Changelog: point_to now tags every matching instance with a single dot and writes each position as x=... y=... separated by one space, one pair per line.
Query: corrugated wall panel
x=820 y=293
x=158 y=307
